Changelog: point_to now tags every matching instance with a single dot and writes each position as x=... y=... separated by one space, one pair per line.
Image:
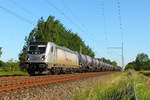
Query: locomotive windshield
x=37 y=49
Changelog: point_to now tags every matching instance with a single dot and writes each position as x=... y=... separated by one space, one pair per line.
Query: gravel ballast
x=59 y=91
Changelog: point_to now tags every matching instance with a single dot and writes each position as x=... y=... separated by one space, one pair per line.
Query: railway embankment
x=59 y=91
x=128 y=85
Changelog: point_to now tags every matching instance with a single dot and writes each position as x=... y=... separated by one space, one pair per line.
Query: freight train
x=49 y=57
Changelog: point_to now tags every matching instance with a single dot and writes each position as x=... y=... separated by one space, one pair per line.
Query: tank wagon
x=54 y=59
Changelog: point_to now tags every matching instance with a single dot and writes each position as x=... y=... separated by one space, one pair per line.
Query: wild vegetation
x=114 y=63
x=10 y=67
x=142 y=62
x=123 y=86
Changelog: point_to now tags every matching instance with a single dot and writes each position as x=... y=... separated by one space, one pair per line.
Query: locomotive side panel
x=66 y=59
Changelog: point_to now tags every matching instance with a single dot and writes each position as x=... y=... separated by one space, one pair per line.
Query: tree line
x=8 y=66
x=108 y=61
x=142 y=62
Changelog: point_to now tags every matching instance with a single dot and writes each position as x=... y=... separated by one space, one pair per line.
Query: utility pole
x=122 y=53
x=123 y=56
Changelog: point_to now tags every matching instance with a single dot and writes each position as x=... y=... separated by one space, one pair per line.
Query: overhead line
x=62 y=13
x=16 y=15
x=120 y=18
x=21 y=7
x=121 y=29
x=73 y=15
x=104 y=19
x=77 y=18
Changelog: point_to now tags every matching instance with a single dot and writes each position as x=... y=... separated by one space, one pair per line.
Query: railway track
x=7 y=84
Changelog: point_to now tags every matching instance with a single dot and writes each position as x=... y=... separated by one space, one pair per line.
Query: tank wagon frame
x=54 y=59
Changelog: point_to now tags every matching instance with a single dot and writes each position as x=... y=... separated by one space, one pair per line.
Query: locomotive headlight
x=43 y=58
x=28 y=58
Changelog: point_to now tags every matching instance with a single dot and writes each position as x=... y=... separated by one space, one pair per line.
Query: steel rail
x=33 y=82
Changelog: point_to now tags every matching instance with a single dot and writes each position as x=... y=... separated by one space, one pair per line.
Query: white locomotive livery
x=49 y=57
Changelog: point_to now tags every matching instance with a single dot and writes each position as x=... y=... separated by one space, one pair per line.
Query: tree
x=131 y=65
x=1 y=62
x=0 y=51
x=114 y=63
x=141 y=62
x=142 y=57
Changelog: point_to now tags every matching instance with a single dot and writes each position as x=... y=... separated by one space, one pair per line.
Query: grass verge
x=146 y=73
x=16 y=73
x=124 y=86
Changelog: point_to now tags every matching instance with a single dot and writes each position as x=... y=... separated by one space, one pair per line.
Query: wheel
x=31 y=72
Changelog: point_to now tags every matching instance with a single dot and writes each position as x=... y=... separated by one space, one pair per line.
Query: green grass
x=146 y=73
x=142 y=87
x=124 y=86
x=13 y=73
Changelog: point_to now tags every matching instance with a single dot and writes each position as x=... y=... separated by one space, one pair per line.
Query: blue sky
x=86 y=14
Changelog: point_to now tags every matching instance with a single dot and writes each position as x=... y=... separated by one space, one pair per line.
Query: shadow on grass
x=146 y=73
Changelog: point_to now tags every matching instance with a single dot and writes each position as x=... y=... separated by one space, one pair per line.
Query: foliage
x=1 y=64
x=142 y=62
x=10 y=73
x=52 y=30
x=142 y=57
x=117 y=87
x=0 y=51
x=146 y=73
x=114 y=63
x=10 y=66
x=129 y=85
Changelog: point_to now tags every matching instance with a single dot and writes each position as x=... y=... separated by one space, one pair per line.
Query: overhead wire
x=68 y=18
x=16 y=15
x=77 y=18
x=21 y=7
x=62 y=13
x=120 y=19
x=73 y=14
x=103 y=14
x=104 y=19
x=121 y=29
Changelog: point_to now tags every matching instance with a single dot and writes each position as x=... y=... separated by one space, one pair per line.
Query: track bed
x=65 y=87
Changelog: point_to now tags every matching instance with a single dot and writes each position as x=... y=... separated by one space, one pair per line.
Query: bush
x=9 y=66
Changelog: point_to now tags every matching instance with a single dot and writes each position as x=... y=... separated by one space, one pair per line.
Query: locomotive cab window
x=42 y=49
x=37 y=49
x=32 y=48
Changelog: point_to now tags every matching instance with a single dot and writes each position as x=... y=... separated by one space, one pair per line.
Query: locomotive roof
x=66 y=49
x=38 y=43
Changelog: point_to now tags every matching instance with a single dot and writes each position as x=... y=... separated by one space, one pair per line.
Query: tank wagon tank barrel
x=54 y=59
